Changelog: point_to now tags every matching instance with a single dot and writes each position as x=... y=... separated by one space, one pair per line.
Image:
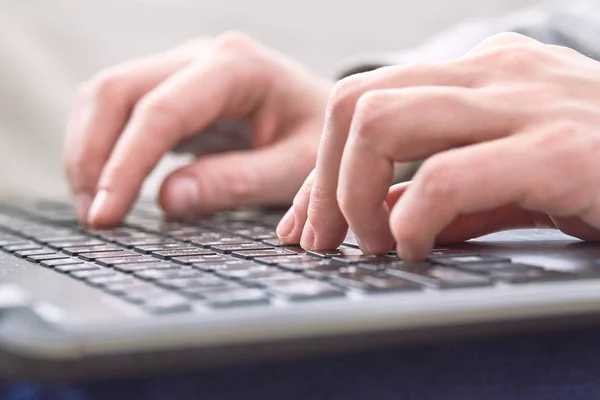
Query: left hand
x=512 y=136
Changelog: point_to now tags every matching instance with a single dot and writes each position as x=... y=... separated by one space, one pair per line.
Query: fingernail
x=83 y=201
x=183 y=196
x=99 y=205
x=308 y=237
x=287 y=223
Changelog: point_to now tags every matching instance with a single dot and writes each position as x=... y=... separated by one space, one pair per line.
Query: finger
x=470 y=226
x=545 y=171
x=396 y=125
x=227 y=83
x=289 y=229
x=228 y=180
x=325 y=216
x=100 y=112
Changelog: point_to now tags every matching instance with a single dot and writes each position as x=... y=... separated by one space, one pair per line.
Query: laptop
x=155 y=295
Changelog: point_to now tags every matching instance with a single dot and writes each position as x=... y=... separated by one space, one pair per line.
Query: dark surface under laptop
x=153 y=290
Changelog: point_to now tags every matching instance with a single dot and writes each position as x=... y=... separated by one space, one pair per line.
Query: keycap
x=157 y=274
x=112 y=261
x=85 y=241
x=167 y=254
x=277 y=243
x=468 y=259
x=273 y=278
x=438 y=276
x=200 y=259
x=292 y=258
x=340 y=252
x=128 y=268
x=303 y=266
x=149 y=248
x=108 y=279
x=306 y=290
x=167 y=304
x=22 y=247
x=91 y=273
x=106 y=254
x=230 y=263
x=365 y=258
x=201 y=281
x=244 y=272
x=145 y=241
x=7 y=243
x=60 y=261
x=91 y=249
x=517 y=272
x=324 y=270
x=76 y=267
x=370 y=282
x=250 y=254
x=233 y=297
x=47 y=257
x=229 y=248
x=139 y=295
x=36 y=252
x=124 y=287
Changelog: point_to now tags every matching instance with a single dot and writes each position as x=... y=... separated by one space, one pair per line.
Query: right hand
x=127 y=117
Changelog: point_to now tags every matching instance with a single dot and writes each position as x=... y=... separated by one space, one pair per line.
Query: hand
x=512 y=136
x=129 y=116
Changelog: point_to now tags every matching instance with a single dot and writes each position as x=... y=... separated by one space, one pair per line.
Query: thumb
x=266 y=176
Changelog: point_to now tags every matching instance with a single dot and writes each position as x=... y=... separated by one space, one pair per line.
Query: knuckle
x=108 y=85
x=344 y=95
x=159 y=113
x=506 y=38
x=368 y=114
x=234 y=41
x=518 y=58
x=436 y=178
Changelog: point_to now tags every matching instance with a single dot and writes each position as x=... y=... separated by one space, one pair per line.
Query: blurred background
x=47 y=47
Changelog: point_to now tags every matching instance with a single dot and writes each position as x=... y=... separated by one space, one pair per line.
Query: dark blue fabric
x=557 y=366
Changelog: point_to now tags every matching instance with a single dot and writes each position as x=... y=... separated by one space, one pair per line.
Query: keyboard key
x=36 y=252
x=229 y=248
x=167 y=304
x=22 y=247
x=201 y=259
x=144 y=241
x=201 y=281
x=325 y=270
x=67 y=268
x=135 y=267
x=250 y=254
x=273 y=278
x=91 y=273
x=233 y=297
x=245 y=271
x=517 y=272
x=292 y=258
x=74 y=251
x=112 y=261
x=437 y=276
x=468 y=259
x=340 y=252
x=306 y=290
x=167 y=254
x=47 y=257
x=370 y=282
x=107 y=254
x=159 y=274
x=108 y=279
x=130 y=286
x=60 y=261
x=230 y=263
x=276 y=243
x=366 y=259
x=149 y=248
x=84 y=242
x=302 y=266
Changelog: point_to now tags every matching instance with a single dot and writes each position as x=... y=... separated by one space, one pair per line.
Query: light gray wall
x=47 y=47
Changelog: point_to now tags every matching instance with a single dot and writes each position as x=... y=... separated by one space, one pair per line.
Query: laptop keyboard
x=230 y=260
